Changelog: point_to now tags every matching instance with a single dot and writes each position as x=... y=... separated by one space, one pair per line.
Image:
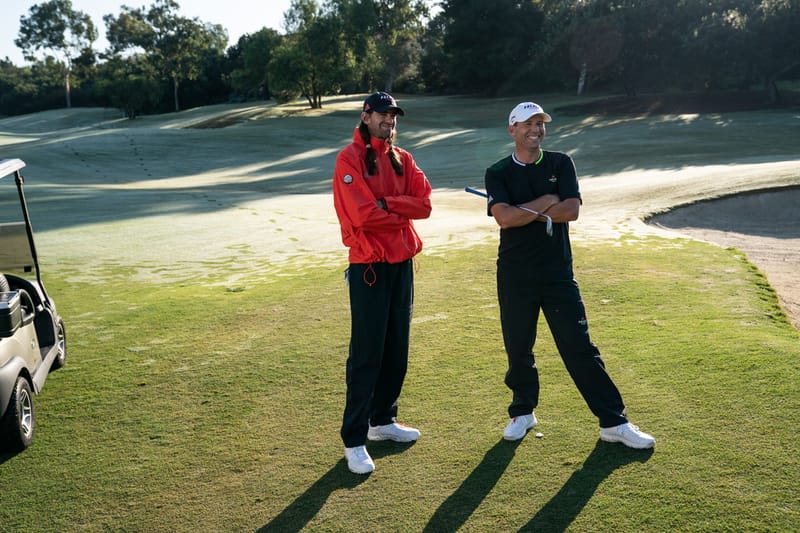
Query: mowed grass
x=206 y=404
x=190 y=407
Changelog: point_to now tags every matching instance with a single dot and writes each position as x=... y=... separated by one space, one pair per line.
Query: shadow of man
x=561 y=510
x=306 y=506
x=456 y=509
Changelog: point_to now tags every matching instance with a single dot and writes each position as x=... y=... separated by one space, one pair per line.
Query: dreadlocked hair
x=372 y=158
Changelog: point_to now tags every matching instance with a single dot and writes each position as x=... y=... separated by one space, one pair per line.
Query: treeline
x=159 y=61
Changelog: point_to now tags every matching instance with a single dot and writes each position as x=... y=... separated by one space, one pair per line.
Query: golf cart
x=32 y=336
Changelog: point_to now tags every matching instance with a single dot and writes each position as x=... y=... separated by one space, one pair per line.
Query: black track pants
x=381 y=302
x=521 y=295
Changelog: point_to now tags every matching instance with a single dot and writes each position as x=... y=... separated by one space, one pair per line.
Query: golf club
x=548 y=220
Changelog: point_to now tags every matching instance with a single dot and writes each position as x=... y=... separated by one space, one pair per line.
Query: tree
x=649 y=31
x=384 y=35
x=358 y=20
x=18 y=89
x=634 y=43
x=775 y=27
x=313 y=58
x=56 y=27
x=175 y=45
x=596 y=44
x=128 y=84
x=490 y=45
x=750 y=40
x=251 y=56
x=433 y=62
x=398 y=31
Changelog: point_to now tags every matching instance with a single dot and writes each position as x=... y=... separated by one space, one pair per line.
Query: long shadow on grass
x=301 y=511
x=561 y=510
x=452 y=514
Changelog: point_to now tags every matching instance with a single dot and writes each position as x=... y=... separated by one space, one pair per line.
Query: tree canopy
x=175 y=45
x=56 y=27
x=158 y=58
x=313 y=60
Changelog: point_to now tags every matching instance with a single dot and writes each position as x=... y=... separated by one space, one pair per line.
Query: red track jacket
x=375 y=235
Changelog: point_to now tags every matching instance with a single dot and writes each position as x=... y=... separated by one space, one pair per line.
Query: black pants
x=521 y=295
x=381 y=303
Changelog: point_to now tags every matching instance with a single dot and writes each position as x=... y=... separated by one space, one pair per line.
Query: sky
x=236 y=16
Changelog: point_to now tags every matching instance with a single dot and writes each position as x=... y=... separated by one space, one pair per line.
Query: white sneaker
x=629 y=435
x=358 y=460
x=394 y=431
x=519 y=426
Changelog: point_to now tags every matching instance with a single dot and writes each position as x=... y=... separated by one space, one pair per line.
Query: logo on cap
x=381 y=102
x=526 y=110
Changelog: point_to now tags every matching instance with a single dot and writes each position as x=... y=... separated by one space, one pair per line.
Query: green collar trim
x=538 y=160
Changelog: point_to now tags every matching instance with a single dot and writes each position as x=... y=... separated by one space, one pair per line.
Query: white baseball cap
x=526 y=110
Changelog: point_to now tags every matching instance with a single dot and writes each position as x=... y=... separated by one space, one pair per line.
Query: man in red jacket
x=377 y=191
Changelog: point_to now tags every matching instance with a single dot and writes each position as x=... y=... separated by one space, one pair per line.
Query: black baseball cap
x=381 y=102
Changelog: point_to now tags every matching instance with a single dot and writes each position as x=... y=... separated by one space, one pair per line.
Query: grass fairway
x=208 y=328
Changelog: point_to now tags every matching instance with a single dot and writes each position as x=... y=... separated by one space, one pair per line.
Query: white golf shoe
x=629 y=435
x=519 y=426
x=358 y=460
x=394 y=431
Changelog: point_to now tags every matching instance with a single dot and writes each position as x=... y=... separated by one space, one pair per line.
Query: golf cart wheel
x=61 y=346
x=18 y=423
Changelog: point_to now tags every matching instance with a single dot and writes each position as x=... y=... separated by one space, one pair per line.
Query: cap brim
x=545 y=117
x=389 y=108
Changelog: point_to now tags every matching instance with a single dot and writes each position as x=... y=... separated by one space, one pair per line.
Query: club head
x=549 y=226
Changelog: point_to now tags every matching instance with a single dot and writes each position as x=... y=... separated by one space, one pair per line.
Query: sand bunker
x=765 y=225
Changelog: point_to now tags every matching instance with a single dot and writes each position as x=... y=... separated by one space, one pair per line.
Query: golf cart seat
x=16 y=308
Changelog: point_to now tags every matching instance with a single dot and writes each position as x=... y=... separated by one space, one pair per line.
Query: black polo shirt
x=529 y=247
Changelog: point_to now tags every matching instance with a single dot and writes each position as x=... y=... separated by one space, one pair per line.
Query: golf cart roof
x=16 y=253
x=9 y=166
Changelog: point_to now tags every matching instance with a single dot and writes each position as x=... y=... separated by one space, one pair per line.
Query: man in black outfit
x=534 y=272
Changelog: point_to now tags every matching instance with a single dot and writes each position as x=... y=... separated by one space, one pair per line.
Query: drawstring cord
x=370 y=277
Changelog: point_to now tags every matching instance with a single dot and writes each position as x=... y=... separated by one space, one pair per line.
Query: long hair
x=372 y=158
